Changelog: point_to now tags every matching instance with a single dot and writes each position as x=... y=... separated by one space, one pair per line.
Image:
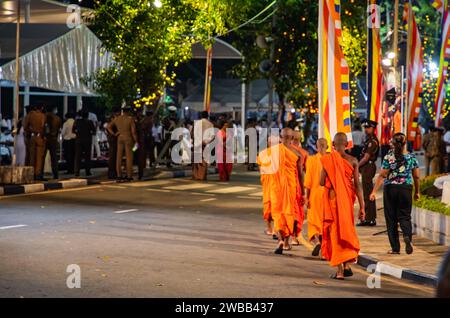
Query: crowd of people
x=327 y=184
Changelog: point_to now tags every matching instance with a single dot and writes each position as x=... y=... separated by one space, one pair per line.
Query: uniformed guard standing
x=368 y=169
x=112 y=142
x=144 y=125
x=54 y=127
x=34 y=127
x=126 y=138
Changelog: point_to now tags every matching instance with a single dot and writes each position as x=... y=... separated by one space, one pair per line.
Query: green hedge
x=433 y=205
x=428 y=203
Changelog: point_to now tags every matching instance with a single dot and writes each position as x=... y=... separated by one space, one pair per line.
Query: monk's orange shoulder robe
x=267 y=170
x=312 y=182
x=340 y=242
x=304 y=154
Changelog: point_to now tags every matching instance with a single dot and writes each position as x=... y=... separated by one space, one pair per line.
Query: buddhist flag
x=415 y=72
x=438 y=5
x=333 y=74
x=444 y=61
x=374 y=71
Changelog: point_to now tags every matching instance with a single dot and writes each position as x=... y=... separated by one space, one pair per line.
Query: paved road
x=166 y=238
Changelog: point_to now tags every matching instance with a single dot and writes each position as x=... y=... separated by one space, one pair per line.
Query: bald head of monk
x=340 y=142
x=322 y=146
x=286 y=136
x=297 y=138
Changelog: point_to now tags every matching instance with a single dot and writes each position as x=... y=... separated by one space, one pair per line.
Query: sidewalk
x=99 y=176
x=421 y=266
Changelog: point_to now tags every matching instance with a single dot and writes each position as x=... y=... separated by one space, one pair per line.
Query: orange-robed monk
x=292 y=190
x=340 y=177
x=282 y=164
x=297 y=145
x=303 y=154
x=268 y=168
x=314 y=195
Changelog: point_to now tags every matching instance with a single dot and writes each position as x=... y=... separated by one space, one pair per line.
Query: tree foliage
x=149 y=42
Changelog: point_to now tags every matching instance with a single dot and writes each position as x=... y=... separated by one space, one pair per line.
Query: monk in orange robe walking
x=314 y=195
x=288 y=216
x=297 y=146
x=340 y=177
x=268 y=168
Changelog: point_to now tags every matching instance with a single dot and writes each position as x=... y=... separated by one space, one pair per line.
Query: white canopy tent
x=61 y=64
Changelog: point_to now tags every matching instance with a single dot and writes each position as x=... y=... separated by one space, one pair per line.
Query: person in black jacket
x=84 y=129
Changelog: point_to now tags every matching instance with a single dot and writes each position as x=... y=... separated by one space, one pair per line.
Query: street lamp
x=391 y=55
x=387 y=62
x=157 y=4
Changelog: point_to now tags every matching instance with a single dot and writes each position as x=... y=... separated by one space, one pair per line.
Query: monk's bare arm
x=358 y=190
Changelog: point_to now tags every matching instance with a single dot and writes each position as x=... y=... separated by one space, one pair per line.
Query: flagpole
x=408 y=65
x=396 y=35
x=17 y=85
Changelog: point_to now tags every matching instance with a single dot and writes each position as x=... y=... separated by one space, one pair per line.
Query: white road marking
x=191 y=186
x=231 y=190
x=115 y=187
x=251 y=198
x=207 y=200
x=204 y=194
x=126 y=211
x=159 y=190
x=12 y=226
x=149 y=183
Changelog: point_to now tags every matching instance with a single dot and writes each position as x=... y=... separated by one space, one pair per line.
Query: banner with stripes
x=415 y=72
x=444 y=61
x=333 y=74
x=374 y=70
x=438 y=5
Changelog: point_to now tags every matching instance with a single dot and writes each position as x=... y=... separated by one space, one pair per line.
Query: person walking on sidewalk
x=398 y=171
x=368 y=168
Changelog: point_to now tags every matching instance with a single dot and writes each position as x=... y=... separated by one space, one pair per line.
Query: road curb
x=78 y=183
x=397 y=271
x=388 y=269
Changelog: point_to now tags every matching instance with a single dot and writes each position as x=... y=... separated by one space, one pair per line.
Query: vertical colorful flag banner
x=375 y=89
x=333 y=74
x=443 y=81
x=208 y=78
x=415 y=72
x=438 y=5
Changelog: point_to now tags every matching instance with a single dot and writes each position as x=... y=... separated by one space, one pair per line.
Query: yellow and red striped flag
x=438 y=5
x=375 y=89
x=415 y=72
x=444 y=61
x=333 y=74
